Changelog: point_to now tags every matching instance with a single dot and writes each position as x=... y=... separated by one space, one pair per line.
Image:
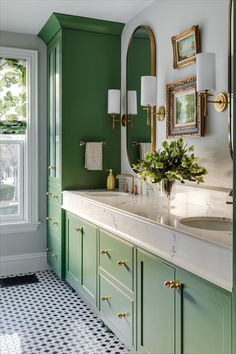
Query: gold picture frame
x=184 y=107
x=185 y=47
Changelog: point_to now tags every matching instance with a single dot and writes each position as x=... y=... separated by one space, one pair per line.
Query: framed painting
x=184 y=109
x=185 y=47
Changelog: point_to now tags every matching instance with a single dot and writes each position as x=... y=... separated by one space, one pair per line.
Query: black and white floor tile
x=49 y=317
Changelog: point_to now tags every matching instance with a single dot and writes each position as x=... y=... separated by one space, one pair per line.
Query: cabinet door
x=73 y=251
x=89 y=256
x=155 y=306
x=203 y=317
x=54 y=109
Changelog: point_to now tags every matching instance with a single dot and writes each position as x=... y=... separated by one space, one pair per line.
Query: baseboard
x=23 y=263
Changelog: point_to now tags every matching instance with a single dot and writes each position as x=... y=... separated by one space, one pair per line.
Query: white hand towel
x=144 y=149
x=93 y=156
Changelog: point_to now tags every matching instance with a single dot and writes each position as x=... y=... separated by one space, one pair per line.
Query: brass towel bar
x=83 y=143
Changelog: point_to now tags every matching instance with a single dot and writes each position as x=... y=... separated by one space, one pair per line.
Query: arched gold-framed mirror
x=230 y=75
x=140 y=61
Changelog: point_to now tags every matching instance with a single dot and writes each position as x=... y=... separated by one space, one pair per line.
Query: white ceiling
x=28 y=16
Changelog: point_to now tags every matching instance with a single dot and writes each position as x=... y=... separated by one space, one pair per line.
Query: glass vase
x=168 y=190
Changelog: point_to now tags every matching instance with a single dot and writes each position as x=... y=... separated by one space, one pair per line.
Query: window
x=18 y=140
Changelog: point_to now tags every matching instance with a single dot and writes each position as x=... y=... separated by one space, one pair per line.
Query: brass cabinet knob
x=55 y=223
x=48 y=193
x=77 y=228
x=175 y=286
x=48 y=249
x=104 y=298
x=48 y=218
x=51 y=167
x=55 y=196
x=54 y=255
x=121 y=263
x=121 y=315
x=104 y=252
x=168 y=283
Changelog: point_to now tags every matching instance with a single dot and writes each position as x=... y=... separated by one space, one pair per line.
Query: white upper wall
x=171 y=17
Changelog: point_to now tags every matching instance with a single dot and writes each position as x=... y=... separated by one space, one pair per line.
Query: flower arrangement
x=176 y=161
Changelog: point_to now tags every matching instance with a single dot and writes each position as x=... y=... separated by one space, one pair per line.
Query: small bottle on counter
x=110 y=181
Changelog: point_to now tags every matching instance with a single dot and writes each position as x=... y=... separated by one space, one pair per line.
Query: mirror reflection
x=140 y=62
x=230 y=75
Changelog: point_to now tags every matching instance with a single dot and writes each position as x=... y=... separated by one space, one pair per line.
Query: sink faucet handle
x=136 y=189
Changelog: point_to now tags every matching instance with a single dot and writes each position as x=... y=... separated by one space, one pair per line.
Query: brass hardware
x=48 y=193
x=168 y=283
x=55 y=223
x=136 y=190
x=175 y=286
x=83 y=143
x=114 y=120
x=220 y=102
x=126 y=186
x=104 y=298
x=48 y=249
x=121 y=263
x=54 y=255
x=48 y=218
x=104 y=252
x=51 y=167
x=161 y=113
x=127 y=176
x=121 y=315
x=77 y=228
x=55 y=196
x=229 y=202
x=127 y=118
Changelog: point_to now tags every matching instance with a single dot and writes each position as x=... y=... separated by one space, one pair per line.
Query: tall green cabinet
x=84 y=61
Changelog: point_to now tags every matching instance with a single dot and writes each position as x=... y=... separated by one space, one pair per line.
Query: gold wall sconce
x=206 y=69
x=114 y=106
x=149 y=98
x=132 y=109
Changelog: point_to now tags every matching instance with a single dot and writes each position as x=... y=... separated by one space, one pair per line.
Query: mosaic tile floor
x=49 y=317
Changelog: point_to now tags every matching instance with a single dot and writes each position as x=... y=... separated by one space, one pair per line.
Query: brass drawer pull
x=104 y=298
x=104 y=252
x=175 y=286
x=121 y=315
x=48 y=218
x=51 y=167
x=48 y=249
x=54 y=255
x=121 y=263
x=48 y=193
x=55 y=196
x=168 y=283
x=78 y=228
x=55 y=223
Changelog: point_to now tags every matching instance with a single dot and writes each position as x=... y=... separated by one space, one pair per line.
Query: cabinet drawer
x=54 y=254
x=117 y=309
x=54 y=220
x=116 y=257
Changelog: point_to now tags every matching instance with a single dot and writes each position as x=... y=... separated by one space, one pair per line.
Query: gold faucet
x=133 y=189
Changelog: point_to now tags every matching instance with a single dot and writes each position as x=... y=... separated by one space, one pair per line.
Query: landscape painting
x=185 y=108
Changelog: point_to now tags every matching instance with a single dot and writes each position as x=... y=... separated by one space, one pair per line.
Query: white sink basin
x=108 y=194
x=208 y=223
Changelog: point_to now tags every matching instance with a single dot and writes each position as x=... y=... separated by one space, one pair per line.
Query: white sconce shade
x=148 y=90
x=113 y=102
x=132 y=102
x=206 y=71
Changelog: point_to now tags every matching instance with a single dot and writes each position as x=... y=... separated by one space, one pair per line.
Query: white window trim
x=30 y=222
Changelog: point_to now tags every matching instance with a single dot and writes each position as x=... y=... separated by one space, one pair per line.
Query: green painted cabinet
x=155 y=306
x=203 y=317
x=81 y=257
x=84 y=61
x=194 y=319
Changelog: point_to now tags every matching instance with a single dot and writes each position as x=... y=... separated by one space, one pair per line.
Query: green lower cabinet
x=155 y=306
x=203 y=317
x=117 y=309
x=81 y=256
x=54 y=254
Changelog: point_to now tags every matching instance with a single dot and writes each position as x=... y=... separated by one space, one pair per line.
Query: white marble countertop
x=131 y=215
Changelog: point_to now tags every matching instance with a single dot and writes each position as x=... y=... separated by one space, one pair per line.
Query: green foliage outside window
x=13 y=104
